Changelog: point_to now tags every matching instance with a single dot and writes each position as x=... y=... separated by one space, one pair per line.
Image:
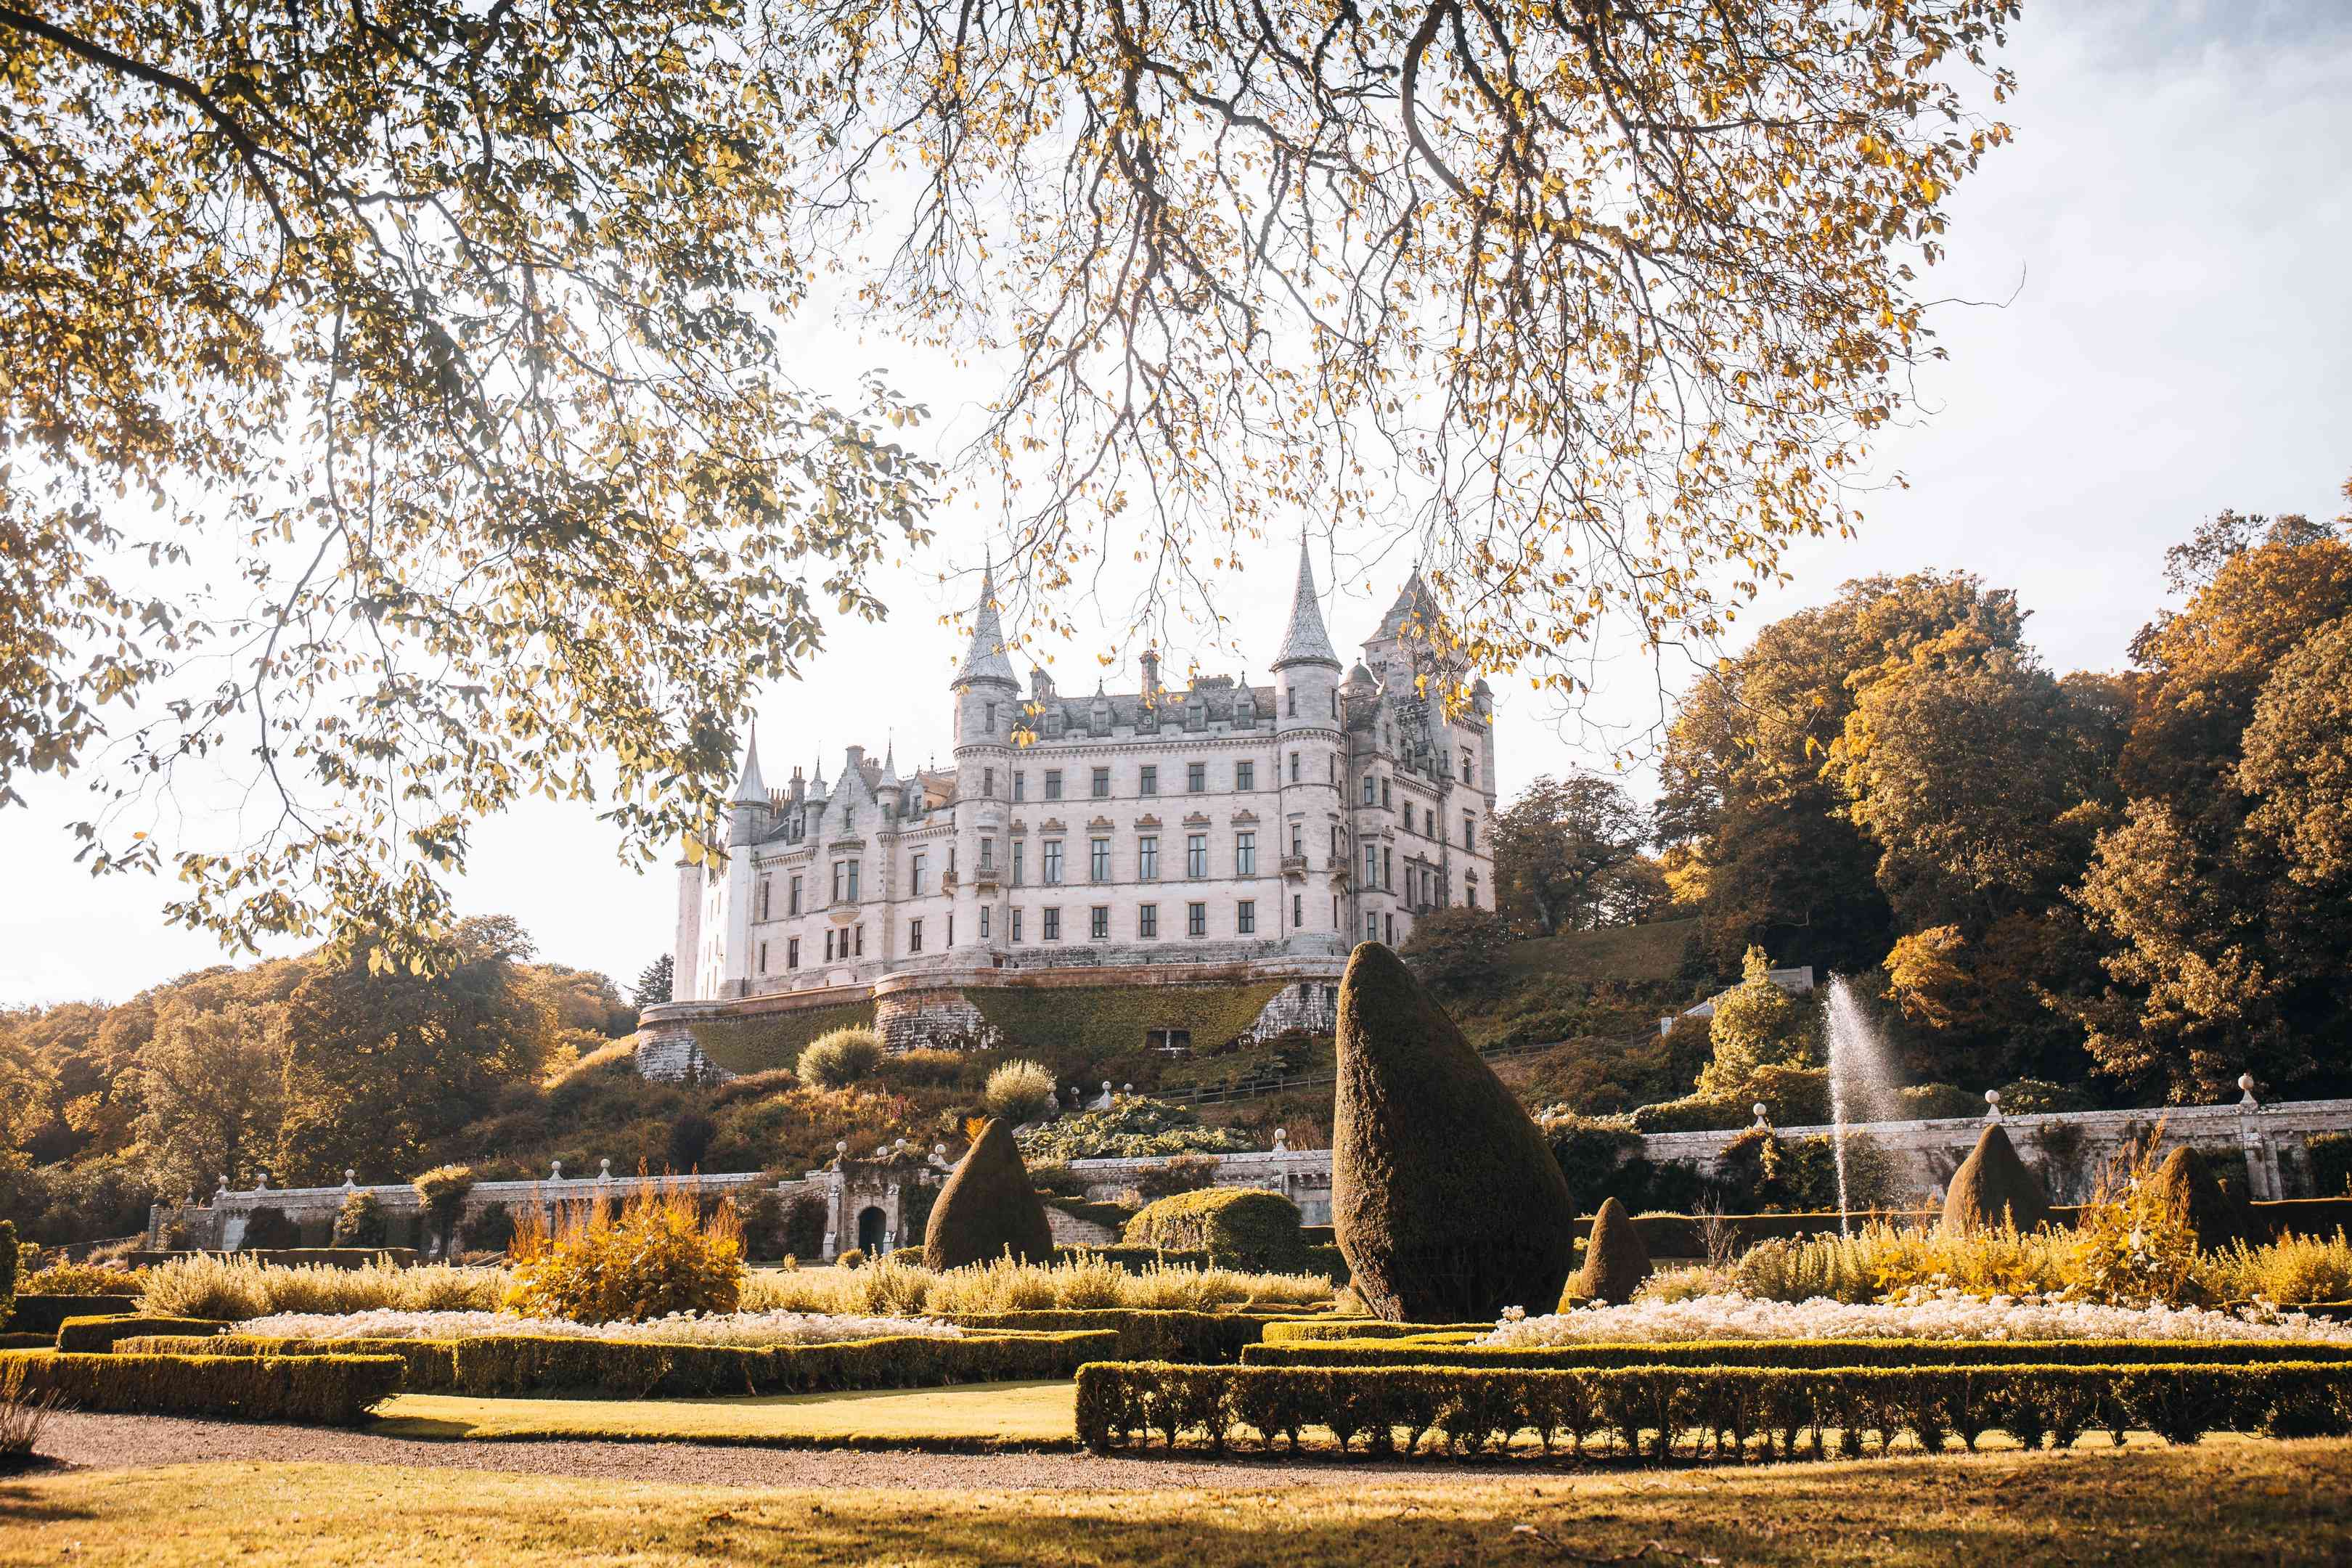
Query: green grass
x=982 y=1415
x=2230 y=1502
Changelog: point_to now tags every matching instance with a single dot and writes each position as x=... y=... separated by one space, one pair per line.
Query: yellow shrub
x=655 y=1256
x=2293 y=1271
x=2134 y=1244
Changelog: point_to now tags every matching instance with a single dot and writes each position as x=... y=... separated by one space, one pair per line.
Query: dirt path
x=135 y=1442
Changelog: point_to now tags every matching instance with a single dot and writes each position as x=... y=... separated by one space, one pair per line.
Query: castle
x=1228 y=835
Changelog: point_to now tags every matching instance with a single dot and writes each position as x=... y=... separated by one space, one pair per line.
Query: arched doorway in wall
x=873 y=1225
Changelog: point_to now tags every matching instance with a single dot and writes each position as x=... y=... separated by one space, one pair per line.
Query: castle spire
x=984 y=659
x=1305 y=642
x=749 y=788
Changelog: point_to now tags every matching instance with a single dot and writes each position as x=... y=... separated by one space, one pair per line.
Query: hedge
x=1240 y=1228
x=45 y=1314
x=1303 y=1330
x=330 y=1390
x=1803 y=1354
x=1143 y=1333
x=91 y=1335
x=1656 y=1411
x=518 y=1364
x=29 y=1342
x=770 y=1040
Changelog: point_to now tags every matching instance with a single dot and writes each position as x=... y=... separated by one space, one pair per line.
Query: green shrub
x=1993 y=1188
x=988 y=1207
x=2035 y=1097
x=1937 y=1102
x=335 y=1390
x=442 y=1190
x=1797 y=1354
x=1180 y=1174
x=1723 y=1412
x=1239 y=1228
x=361 y=1222
x=91 y=1335
x=1756 y=1024
x=63 y=1278
x=1615 y=1261
x=839 y=1057
x=1131 y=1128
x=852 y=1259
x=503 y=1365
x=267 y=1227
x=657 y=1256
x=2185 y=1184
x=1019 y=1091
x=1443 y=1197
x=1588 y=1152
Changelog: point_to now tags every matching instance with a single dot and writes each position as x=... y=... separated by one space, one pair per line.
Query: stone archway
x=873 y=1229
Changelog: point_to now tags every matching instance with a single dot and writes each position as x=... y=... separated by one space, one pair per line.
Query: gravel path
x=139 y=1442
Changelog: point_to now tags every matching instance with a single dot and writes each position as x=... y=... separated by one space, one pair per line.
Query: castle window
x=763 y=958
x=1469 y=768
x=1298 y=911
x=1336 y=851
x=1016 y=925
x=1098 y=861
x=1469 y=831
x=828 y=946
x=1388 y=868
x=1290 y=701
x=1169 y=1042
x=1020 y=786
x=1102 y=784
x=1335 y=767
x=988 y=726
x=951 y=928
x=1372 y=928
x=988 y=854
x=1147 y=922
x=914 y=936
x=1150 y=785
x=1470 y=890
x=1293 y=767
x=1245 y=776
x=1053 y=862
x=1245 y=917
x=988 y=784
x=1196 y=920
x=1050 y=930
x=859 y=932
x=1017 y=857
x=844 y=882
x=1384 y=794
x=767 y=886
x=1099 y=923
x=1196 y=854
x=1371 y=866
x=1196 y=776
x=1053 y=783
x=1245 y=854
x=983 y=922
x=1297 y=841
x=1388 y=924
x=792 y=952
x=794 y=898
x=1335 y=703
x=1147 y=857
x=915 y=869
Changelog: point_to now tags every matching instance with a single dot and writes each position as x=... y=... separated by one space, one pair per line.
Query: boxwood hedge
x=1143 y=1333
x=101 y=1333
x=330 y=1390
x=519 y=1363
x=1798 y=1354
x=1303 y=1330
x=1700 y=1412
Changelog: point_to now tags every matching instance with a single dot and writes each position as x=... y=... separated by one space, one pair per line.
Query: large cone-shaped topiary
x=988 y=1207
x=1993 y=1186
x=1448 y=1204
x=1615 y=1261
x=2186 y=1187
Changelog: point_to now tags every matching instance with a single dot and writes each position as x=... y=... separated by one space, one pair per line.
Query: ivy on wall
x=776 y=1040
x=1100 y=1029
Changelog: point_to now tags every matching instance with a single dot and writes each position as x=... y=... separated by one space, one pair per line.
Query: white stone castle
x=1227 y=832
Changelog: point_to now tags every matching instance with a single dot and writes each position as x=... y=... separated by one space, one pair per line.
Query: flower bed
x=1943 y=1315
x=753 y=1329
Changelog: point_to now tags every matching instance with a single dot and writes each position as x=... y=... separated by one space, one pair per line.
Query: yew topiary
x=1993 y=1187
x=1447 y=1204
x=988 y=1207
x=2185 y=1186
x=1615 y=1261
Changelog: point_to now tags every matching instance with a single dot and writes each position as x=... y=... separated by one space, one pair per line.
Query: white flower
x=1944 y=1315
x=1514 y=1315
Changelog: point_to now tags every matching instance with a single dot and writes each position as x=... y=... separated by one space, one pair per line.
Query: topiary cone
x=1447 y=1204
x=1993 y=1184
x=988 y=1207
x=2184 y=1186
x=1615 y=1261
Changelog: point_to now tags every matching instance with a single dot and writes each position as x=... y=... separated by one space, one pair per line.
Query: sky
x=2166 y=333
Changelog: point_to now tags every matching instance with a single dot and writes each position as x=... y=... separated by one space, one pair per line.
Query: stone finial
x=1282 y=1141
x=555 y=1171
x=261 y=1181
x=604 y=1170
x=1762 y=1116
x=2246 y=1083
x=1992 y=1105
x=351 y=1177
x=224 y=1184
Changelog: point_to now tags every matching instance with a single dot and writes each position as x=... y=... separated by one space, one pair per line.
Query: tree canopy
x=445 y=340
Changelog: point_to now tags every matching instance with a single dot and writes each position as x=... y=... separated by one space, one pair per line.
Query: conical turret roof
x=1306 y=641
x=749 y=788
x=984 y=659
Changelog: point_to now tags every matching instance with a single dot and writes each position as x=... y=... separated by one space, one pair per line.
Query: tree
x=457 y=327
x=211 y=1094
x=1756 y=1024
x=1460 y=950
x=988 y=1209
x=1562 y=847
x=654 y=985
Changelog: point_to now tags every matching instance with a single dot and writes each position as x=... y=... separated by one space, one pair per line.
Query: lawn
x=977 y=1415
x=2227 y=1501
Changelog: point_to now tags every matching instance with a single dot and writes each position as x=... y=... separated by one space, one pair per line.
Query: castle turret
x=1307 y=759
x=988 y=700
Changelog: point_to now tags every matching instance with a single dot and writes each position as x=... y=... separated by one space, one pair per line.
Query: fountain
x=1861 y=1087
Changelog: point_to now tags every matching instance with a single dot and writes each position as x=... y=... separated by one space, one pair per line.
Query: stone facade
x=1230 y=829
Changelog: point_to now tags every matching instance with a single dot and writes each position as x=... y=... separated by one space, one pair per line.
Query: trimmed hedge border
x=330 y=1390
x=1308 y=1330
x=1143 y=1333
x=29 y=1342
x=47 y=1314
x=1743 y=1412
x=1801 y=1354
x=632 y=1369
x=91 y=1335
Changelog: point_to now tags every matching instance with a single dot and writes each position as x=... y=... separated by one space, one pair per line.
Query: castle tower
x=988 y=706
x=1309 y=761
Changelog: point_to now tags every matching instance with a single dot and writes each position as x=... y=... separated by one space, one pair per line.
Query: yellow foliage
x=657 y=1256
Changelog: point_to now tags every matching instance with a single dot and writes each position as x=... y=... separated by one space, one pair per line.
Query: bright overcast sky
x=2175 y=220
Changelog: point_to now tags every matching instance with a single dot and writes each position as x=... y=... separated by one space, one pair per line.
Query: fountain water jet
x=1862 y=1082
